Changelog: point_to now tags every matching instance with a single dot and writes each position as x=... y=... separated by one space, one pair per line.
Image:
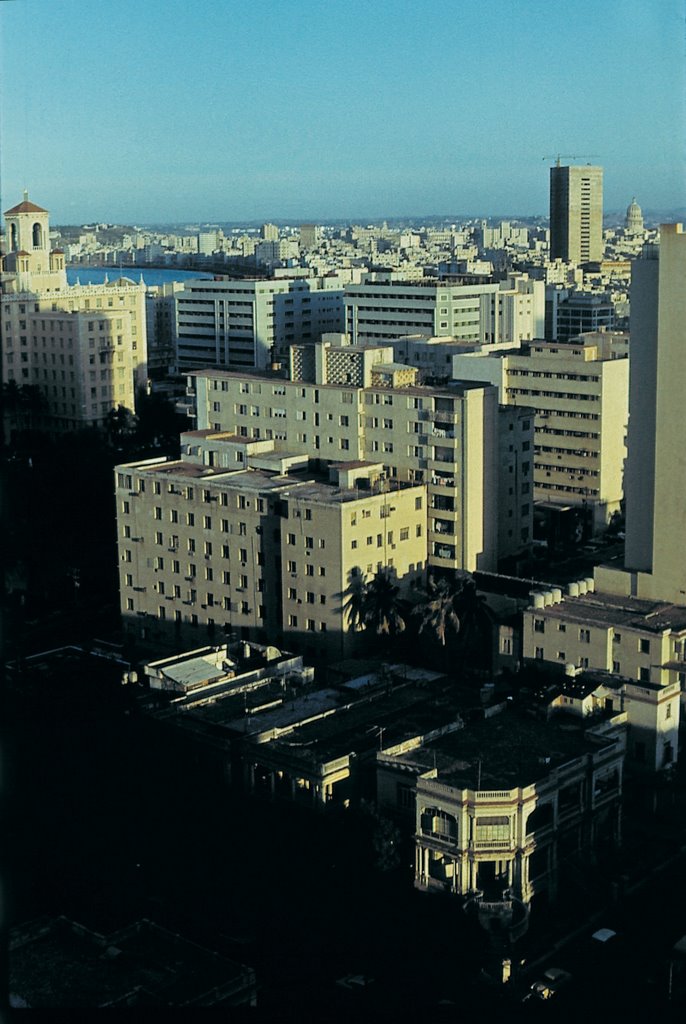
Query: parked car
x=550 y=983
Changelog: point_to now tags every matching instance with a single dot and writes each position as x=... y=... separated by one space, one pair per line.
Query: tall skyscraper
x=576 y=213
x=655 y=475
x=656 y=465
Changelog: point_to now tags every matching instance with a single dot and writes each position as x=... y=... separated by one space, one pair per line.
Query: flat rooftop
x=504 y=751
x=615 y=610
x=56 y=963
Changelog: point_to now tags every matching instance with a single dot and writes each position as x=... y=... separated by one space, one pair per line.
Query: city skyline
x=302 y=115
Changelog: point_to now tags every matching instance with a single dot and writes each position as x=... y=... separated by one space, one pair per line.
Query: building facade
x=387 y=305
x=237 y=324
x=655 y=565
x=85 y=346
x=640 y=643
x=355 y=404
x=228 y=540
x=579 y=395
x=576 y=213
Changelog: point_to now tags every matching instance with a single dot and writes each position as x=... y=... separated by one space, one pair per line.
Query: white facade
x=655 y=557
x=387 y=306
x=236 y=323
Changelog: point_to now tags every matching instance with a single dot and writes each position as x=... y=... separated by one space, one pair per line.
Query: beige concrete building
x=579 y=393
x=83 y=346
x=348 y=403
x=655 y=556
x=235 y=537
x=641 y=644
x=386 y=305
x=576 y=213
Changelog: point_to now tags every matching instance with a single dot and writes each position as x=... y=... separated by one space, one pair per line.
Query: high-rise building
x=235 y=537
x=355 y=404
x=576 y=213
x=578 y=393
x=655 y=484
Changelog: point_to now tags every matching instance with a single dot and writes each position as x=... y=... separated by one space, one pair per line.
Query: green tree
x=437 y=611
x=382 y=612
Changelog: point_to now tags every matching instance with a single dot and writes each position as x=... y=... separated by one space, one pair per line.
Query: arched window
x=37 y=236
x=13 y=238
x=439 y=824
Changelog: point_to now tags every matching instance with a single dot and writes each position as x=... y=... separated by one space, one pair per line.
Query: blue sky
x=218 y=110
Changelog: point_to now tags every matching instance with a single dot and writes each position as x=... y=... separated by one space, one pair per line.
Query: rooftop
x=616 y=610
x=55 y=962
x=506 y=750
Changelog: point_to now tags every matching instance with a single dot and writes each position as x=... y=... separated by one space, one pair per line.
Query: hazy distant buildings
x=576 y=213
x=633 y=222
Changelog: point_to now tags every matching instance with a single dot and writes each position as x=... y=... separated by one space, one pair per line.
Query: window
x=561 y=627
x=585 y=636
x=561 y=656
x=644 y=646
x=644 y=675
x=539 y=653
x=290 y=539
x=616 y=638
x=405 y=533
x=539 y=625
x=417 y=504
x=292 y=620
x=668 y=711
x=616 y=667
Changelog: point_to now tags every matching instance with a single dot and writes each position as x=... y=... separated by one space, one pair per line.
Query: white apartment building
x=655 y=556
x=579 y=393
x=235 y=538
x=347 y=403
x=387 y=305
x=84 y=346
x=237 y=323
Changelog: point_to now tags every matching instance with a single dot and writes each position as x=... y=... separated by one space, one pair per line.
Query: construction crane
x=570 y=156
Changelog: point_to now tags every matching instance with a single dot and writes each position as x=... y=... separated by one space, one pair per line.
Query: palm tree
x=437 y=610
x=381 y=606
x=355 y=603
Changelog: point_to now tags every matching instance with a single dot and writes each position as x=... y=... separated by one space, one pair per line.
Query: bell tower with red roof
x=27 y=229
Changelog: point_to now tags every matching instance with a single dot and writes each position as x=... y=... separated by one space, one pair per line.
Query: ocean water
x=151 y=275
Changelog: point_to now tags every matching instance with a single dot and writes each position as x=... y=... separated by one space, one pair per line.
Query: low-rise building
x=642 y=643
x=507 y=797
x=56 y=963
